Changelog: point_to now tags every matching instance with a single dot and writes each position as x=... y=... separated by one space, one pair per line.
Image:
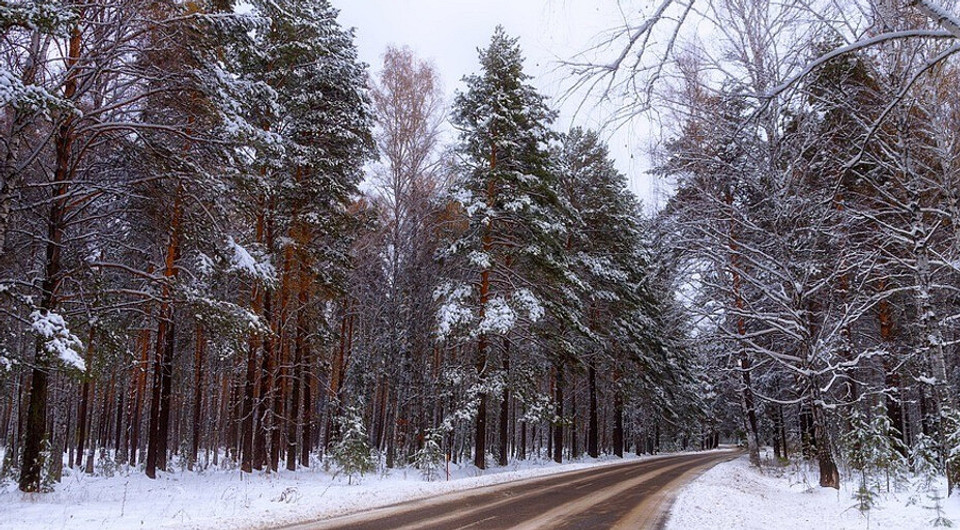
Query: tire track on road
x=592 y=498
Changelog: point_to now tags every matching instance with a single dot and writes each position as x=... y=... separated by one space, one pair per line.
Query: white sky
x=448 y=32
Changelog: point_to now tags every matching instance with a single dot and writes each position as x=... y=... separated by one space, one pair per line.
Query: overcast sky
x=448 y=32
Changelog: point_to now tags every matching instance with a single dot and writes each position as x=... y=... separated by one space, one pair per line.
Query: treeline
x=191 y=274
x=816 y=217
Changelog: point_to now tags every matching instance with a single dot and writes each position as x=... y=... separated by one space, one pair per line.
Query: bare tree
x=629 y=63
x=408 y=103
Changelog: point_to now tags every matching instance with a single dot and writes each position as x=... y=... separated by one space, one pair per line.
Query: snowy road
x=632 y=495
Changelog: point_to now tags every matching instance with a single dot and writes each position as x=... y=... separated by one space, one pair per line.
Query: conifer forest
x=228 y=243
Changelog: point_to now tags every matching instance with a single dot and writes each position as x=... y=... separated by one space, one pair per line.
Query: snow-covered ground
x=731 y=495
x=226 y=499
x=734 y=495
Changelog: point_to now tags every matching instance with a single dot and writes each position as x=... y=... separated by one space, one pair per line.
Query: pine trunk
x=505 y=409
x=593 y=440
x=163 y=353
x=86 y=388
x=618 y=425
x=558 y=404
x=198 y=351
x=36 y=425
x=249 y=387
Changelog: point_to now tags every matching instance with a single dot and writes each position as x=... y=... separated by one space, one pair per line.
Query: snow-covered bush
x=873 y=449
x=351 y=454
x=106 y=466
x=927 y=463
x=875 y=452
x=430 y=458
x=940 y=519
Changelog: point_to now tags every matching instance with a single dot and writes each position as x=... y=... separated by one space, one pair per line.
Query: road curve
x=632 y=495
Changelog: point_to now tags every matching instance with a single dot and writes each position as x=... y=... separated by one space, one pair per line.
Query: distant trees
x=412 y=175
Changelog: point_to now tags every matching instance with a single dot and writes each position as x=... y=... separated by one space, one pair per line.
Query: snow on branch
x=853 y=47
x=454 y=311
x=57 y=338
x=241 y=260
x=944 y=18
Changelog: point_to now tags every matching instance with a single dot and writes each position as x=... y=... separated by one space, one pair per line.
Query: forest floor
x=229 y=499
x=786 y=497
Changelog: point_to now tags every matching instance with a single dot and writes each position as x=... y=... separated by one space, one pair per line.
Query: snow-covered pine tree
x=509 y=252
x=191 y=182
x=351 y=453
x=606 y=251
x=27 y=26
x=302 y=194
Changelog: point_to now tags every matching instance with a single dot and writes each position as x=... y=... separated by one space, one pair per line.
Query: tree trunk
x=558 y=428
x=139 y=392
x=522 y=454
x=829 y=474
x=480 y=432
x=35 y=432
x=750 y=412
x=618 y=424
x=198 y=351
x=593 y=438
x=262 y=430
x=783 y=434
x=307 y=419
x=246 y=413
x=161 y=435
x=82 y=416
x=505 y=408
x=163 y=353
x=294 y=413
x=808 y=439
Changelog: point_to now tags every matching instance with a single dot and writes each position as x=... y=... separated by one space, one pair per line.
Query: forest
x=227 y=243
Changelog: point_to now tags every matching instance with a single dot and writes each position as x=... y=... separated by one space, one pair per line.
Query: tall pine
x=511 y=242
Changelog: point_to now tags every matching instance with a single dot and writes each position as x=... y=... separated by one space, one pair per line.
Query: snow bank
x=734 y=495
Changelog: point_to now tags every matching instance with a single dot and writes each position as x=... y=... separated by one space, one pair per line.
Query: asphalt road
x=633 y=495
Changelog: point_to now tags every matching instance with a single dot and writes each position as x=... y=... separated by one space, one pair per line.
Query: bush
x=874 y=450
x=351 y=454
x=430 y=458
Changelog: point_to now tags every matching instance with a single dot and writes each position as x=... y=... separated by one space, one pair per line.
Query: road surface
x=632 y=495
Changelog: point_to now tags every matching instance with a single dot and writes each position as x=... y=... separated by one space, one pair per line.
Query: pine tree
x=306 y=183
x=351 y=453
x=627 y=341
x=510 y=248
